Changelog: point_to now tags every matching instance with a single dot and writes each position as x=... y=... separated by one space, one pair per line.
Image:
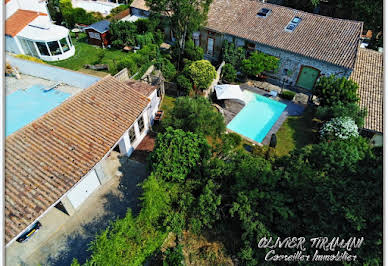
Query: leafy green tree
x=144 y=39
x=196 y=115
x=339 y=109
x=184 y=17
x=202 y=73
x=232 y=55
x=174 y=256
x=54 y=10
x=184 y=84
x=259 y=62
x=168 y=69
x=178 y=154
x=229 y=74
x=192 y=52
x=122 y=33
x=331 y=90
x=208 y=211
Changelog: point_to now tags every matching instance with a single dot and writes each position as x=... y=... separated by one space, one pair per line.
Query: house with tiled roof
x=57 y=160
x=369 y=75
x=308 y=45
x=30 y=31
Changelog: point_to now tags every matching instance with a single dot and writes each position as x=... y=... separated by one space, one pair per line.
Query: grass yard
x=90 y=54
x=296 y=132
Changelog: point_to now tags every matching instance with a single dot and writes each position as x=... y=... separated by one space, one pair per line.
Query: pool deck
x=232 y=108
x=12 y=84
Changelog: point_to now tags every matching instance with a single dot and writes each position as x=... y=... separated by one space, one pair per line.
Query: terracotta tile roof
x=140 y=4
x=368 y=73
x=47 y=157
x=19 y=20
x=323 y=38
x=142 y=87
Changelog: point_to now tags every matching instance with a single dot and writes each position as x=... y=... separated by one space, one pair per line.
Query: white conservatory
x=32 y=33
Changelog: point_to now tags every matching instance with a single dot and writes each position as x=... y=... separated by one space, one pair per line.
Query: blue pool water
x=257 y=117
x=24 y=106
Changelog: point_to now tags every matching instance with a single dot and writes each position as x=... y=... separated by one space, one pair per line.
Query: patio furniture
x=158 y=116
x=127 y=48
x=273 y=94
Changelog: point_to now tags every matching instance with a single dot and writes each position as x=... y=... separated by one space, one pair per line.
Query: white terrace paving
x=63 y=237
x=13 y=84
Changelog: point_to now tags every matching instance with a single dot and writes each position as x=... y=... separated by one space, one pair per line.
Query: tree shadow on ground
x=117 y=203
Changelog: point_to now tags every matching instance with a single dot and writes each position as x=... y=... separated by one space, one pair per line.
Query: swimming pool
x=257 y=117
x=24 y=106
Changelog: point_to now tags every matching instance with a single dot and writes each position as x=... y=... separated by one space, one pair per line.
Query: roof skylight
x=264 y=12
x=292 y=24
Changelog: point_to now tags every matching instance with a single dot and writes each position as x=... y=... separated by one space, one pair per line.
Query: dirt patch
x=200 y=251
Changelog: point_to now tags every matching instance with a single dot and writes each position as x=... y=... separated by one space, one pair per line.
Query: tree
x=122 y=33
x=184 y=17
x=54 y=10
x=232 y=55
x=196 y=115
x=259 y=62
x=202 y=73
x=331 y=90
x=168 y=69
x=178 y=154
x=184 y=84
x=339 y=109
x=229 y=74
x=192 y=52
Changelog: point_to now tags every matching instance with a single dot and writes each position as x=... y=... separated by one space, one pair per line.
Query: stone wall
x=293 y=63
x=290 y=61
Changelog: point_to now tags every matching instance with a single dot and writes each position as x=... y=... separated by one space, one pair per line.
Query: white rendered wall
x=11 y=45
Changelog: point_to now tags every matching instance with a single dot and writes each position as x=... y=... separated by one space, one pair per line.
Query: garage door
x=307 y=77
x=83 y=189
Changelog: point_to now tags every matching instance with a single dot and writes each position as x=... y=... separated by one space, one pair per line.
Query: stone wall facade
x=290 y=63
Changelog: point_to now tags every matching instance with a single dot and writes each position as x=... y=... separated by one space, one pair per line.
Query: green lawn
x=90 y=54
x=296 y=132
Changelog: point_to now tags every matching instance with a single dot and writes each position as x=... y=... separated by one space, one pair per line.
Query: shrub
x=202 y=73
x=30 y=58
x=229 y=74
x=184 y=84
x=232 y=55
x=192 y=52
x=117 y=10
x=331 y=90
x=259 y=62
x=339 y=109
x=128 y=63
x=144 y=39
x=168 y=69
x=174 y=256
x=196 y=115
x=288 y=95
x=339 y=128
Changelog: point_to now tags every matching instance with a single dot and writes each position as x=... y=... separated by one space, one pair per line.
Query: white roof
x=95 y=6
x=41 y=30
x=132 y=18
x=228 y=91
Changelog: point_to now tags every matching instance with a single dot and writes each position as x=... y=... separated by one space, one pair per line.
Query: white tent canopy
x=228 y=91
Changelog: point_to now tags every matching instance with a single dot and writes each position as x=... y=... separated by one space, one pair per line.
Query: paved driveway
x=110 y=201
